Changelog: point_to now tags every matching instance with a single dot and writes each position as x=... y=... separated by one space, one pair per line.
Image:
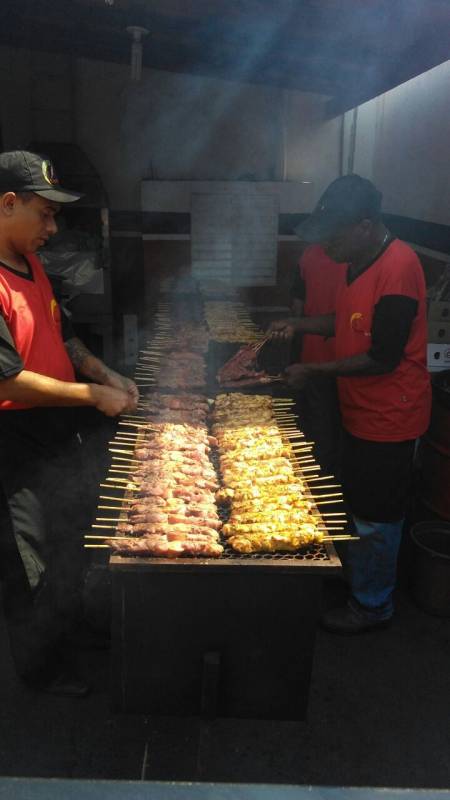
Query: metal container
x=431 y=566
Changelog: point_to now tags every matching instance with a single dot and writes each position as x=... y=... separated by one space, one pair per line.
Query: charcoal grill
x=231 y=637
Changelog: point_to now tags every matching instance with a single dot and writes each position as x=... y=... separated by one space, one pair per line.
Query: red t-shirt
x=396 y=406
x=322 y=278
x=33 y=319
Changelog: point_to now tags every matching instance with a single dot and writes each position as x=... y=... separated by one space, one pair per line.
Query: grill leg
x=210 y=684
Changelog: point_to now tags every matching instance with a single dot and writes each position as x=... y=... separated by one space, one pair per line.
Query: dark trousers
x=318 y=411
x=44 y=508
x=376 y=479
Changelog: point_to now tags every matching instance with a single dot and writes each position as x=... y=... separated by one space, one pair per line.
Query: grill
x=231 y=636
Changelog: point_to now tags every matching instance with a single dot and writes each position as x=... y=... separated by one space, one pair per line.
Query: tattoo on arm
x=77 y=352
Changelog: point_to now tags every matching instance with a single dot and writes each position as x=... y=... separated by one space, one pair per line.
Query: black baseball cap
x=21 y=171
x=347 y=200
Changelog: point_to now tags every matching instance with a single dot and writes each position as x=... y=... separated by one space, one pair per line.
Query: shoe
x=347 y=621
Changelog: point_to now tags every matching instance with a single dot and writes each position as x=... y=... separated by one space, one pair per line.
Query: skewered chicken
x=270 y=507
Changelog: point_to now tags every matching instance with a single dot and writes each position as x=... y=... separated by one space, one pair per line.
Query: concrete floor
x=379 y=715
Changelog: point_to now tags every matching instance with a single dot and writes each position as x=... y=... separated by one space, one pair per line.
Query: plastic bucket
x=431 y=567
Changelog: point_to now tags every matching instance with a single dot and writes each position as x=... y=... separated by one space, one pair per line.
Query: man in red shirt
x=40 y=447
x=314 y=293
x=384 y=386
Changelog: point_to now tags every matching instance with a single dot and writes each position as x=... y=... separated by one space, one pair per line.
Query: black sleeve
x=391 y=326
x=298 y=290
x=10 y=362
x=66 y=323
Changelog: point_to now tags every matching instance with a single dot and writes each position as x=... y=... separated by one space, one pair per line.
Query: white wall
x=312 y=141
x=168 y=126
x=173 y=127
x=403 y=145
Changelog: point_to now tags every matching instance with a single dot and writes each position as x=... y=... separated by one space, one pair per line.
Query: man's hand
x=297 y=375
x=281 y=329
x=110 y=401
x=117 y=381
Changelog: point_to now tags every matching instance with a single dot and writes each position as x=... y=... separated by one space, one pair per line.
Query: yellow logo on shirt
x=353 y=320
x=357 y=323
x=54 y=310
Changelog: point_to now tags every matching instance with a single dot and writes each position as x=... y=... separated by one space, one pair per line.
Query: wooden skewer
x=117 y=499
x=122 y=461
x=333 y=528
x=110 y=519
x=105 y=527
x=88 y=536
x=97 y=546
x=112 y=508
x=322 y=478
x=325 y=485
x=140 y=425
x=330 y=494
x=117 y=450
x=327 y=502
x=340 y=539
x=334 y=514
x=308 y=469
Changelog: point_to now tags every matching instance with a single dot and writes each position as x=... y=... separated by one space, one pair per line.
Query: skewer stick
x=118 y=499
x=120 y=470
x=88 y=536
x=110 y=519
x=113 y=508
x=117 y=450
x=123 y=461
x=334 y=514
x=327 y=502
x=146 y=425
x=105 y=527
x=330 y=494
x=97 y=546
x=339 y=539
x=119 y=488
x=323 y=478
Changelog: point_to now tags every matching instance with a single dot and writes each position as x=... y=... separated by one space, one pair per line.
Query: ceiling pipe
x=138 y=34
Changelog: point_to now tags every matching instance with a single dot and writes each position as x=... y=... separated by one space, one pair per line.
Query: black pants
x=377 y=477
x=318 y=410
x=45 y=507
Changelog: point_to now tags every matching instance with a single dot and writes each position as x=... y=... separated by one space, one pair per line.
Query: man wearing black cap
x=384 y=387
x=39 y=443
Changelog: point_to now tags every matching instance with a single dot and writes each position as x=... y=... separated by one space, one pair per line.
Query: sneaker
x=347 y=621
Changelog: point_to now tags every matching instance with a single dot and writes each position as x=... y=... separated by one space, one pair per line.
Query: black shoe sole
x=377 y=626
